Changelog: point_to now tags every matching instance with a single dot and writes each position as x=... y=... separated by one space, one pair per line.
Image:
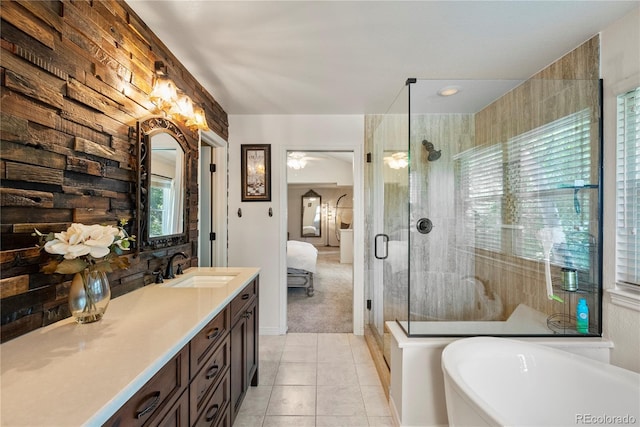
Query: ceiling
x=353 y=57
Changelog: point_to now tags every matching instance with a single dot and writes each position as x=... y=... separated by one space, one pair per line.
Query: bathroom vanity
x=179 y=353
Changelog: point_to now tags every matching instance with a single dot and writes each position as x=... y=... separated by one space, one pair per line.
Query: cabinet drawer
x=214 y=410
x=213 y=333
x=242 y=300
x=161 y=390
x=213 y=370
x=177 y=415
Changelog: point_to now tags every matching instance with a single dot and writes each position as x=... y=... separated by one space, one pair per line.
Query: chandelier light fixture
x=398 y=160
x=296 y=160
x=176 y=104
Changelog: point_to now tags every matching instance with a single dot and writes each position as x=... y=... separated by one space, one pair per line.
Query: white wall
x=620 y=69
x=258 y=240
x=325 y=171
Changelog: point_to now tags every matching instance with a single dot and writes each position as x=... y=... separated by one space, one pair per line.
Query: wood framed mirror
x=311 y=214
x=162 y=195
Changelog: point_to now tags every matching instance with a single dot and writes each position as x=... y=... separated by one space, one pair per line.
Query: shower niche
x=489 y=206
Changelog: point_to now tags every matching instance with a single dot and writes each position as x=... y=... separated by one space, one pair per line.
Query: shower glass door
x=504 y=215
x=390 y=201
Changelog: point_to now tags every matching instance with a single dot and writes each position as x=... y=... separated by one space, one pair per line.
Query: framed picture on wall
x=255 y=162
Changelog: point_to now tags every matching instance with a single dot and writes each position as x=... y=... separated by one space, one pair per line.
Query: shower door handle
x=385 y=241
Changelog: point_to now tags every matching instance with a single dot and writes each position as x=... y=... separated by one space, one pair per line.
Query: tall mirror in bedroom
x=163 y=198
x=311 y=214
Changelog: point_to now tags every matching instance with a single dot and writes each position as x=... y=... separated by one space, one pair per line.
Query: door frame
x=219 y=201
x=358 y=230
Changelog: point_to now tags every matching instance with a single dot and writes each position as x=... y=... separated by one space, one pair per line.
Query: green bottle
x=582 y=317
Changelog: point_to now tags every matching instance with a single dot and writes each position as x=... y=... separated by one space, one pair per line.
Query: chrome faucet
x=169 y=273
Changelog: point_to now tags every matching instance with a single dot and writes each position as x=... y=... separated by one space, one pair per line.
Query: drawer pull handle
x=213 y=334
x=245 y=296
x=213 y=371
x=155 y=398
x=212 y=416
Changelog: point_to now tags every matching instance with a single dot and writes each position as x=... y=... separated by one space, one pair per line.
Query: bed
x=301 y=265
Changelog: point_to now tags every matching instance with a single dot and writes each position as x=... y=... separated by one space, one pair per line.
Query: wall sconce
x=296 y=160
x=175 y=103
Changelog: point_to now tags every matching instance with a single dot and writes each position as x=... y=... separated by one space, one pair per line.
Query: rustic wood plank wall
x=75 y=77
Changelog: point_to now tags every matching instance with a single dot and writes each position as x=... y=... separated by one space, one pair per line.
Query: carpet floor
x=330 y=309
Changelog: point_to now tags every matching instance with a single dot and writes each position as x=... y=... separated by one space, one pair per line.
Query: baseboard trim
x=274 y=330
x=378 y=360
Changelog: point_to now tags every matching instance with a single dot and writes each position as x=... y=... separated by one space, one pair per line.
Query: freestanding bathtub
x=503 y=382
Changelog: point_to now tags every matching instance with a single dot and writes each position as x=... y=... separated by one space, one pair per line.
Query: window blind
x=480 y=177
x=628 y=188
x=550 y=169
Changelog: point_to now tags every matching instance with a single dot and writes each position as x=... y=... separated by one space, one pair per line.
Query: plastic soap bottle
x=582 y=316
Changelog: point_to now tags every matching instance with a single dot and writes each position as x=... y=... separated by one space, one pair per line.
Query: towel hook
x=270 y=212
x=239 y=212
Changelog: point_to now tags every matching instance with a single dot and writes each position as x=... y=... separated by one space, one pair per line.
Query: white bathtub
x=416 y=392
x=503 y=382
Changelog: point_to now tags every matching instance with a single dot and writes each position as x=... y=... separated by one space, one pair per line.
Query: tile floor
x=309 y=379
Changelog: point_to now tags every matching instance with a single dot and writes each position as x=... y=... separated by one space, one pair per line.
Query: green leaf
x=70 y=266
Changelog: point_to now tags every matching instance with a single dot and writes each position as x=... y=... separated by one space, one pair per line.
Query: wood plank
x=41 y=227
x=99 y=150
x=83 y=191
x=69 y=201
x=25 y=21
x=50 y=140
x=48 y=12
x=13 y=128
x=37 y=69
x=82 y=165
x=26 y=255
x=120 y=174
x=79 y=114
x=40 y=92
x=31 y=173
x=94 y=216
x=29 y=155
x=18 y=215
x=31 y=198
x=19 y=106
x=90 y=147
x=91 y=98
x=14 y=285
x=90 y=184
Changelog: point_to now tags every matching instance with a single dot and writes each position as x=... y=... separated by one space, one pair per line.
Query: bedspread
x=301 y=255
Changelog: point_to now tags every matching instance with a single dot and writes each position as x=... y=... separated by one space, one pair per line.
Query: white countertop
x=67 y=374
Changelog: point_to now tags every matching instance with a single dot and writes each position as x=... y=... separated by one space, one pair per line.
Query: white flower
x=79 y=240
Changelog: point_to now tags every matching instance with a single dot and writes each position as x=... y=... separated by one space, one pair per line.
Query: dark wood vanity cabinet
x=204 y=384
x=158 y=397
x=244 y=345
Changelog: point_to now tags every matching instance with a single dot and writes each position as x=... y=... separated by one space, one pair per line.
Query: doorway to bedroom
x=320 y=241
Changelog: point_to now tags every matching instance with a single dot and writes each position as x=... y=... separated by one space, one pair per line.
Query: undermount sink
x=201 y=281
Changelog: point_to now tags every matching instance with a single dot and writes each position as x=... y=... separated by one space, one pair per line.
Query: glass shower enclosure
x=485 y=209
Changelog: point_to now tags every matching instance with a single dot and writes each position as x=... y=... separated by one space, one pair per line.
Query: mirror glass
x=311 y=214
x=166 y=186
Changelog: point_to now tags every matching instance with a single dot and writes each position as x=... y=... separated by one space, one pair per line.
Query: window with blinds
x=480 y=177
x=628 y=189
x=550 y=169
x=536 y=180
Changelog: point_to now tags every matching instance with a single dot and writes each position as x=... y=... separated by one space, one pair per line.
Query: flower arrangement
x=96 y=247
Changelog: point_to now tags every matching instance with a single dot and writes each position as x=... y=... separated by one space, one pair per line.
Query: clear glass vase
x=89 y=295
